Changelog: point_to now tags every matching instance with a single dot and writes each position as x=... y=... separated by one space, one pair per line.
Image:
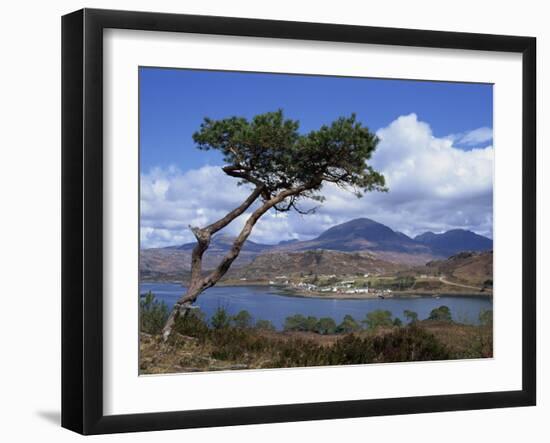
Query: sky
x=435 y=150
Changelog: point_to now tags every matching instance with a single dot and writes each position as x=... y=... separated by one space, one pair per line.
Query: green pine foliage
x=378 y=318
x=152 y=314
x=269 y=149
x=442 y=313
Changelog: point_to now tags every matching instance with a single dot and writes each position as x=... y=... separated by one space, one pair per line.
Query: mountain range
x=362 y=235
x=457 y=240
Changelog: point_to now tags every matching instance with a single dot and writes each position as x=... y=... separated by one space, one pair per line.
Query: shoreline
x=394 y=295
x=289 y=292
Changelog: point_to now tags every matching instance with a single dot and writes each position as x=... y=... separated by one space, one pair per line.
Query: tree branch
x=199 y=284
x=285 y=167
x=223 y=222
x=211 y=279
x=204 y=235
x=239 y=171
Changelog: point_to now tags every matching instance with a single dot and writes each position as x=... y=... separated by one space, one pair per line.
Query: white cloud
x=417 y=163
x=172 y=200
x=475 y=137
x=433 y=186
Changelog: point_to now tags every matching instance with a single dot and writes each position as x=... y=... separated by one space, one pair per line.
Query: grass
x=196 y=347
x=228 y=342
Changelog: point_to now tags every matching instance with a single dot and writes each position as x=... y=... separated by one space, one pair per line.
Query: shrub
x=397 y=322
x=265 y=325
x=351 y=350
x=193 y=324
x=348 y=325
x=152 y=314
x=486 y=317
x=377 y=318
x=411 y=316
x=248 y=346
x=298 y=352
x=220 y=319
x=300 y=323
x=295 y=323
x=242 y=319
x=233 y=343
x=311 y=324
x=409 y=344
x=403 y=344
x=443 y=313
x=325 y=325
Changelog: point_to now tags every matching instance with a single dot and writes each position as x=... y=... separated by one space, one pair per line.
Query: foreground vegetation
x=237 y=342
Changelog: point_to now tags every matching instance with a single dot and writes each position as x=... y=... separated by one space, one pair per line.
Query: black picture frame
x=82 y=215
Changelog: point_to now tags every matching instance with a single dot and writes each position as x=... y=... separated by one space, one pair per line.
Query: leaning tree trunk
x=181 y=309
x=198 y=283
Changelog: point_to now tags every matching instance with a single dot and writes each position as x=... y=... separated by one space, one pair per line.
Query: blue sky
x=420 y=119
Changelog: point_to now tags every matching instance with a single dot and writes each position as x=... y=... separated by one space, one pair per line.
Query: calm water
x=264 y=302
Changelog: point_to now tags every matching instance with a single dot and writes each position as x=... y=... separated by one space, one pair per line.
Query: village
x=331 y=285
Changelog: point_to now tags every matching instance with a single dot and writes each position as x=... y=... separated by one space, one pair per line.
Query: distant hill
x=474 y=268
x=164 y=264
x=174 y=262
x=288 y=242
x=359 y=235
x=454 y=241
x=223 y=242
x=321 y=262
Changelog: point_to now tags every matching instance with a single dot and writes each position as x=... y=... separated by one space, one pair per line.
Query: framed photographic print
x=269 y=221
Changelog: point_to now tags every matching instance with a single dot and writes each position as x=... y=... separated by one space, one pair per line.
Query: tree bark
x=199 y=284
x=203 y=237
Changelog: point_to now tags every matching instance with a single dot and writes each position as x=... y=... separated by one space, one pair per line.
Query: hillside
x=454 y=241
x=321 y=262
x=359 y=235
x=222 y=243
x=362 y=235
x=473 y=268
x=174 y=262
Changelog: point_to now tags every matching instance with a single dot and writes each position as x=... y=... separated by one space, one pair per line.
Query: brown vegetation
x=237 y=349
x=473 y=268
